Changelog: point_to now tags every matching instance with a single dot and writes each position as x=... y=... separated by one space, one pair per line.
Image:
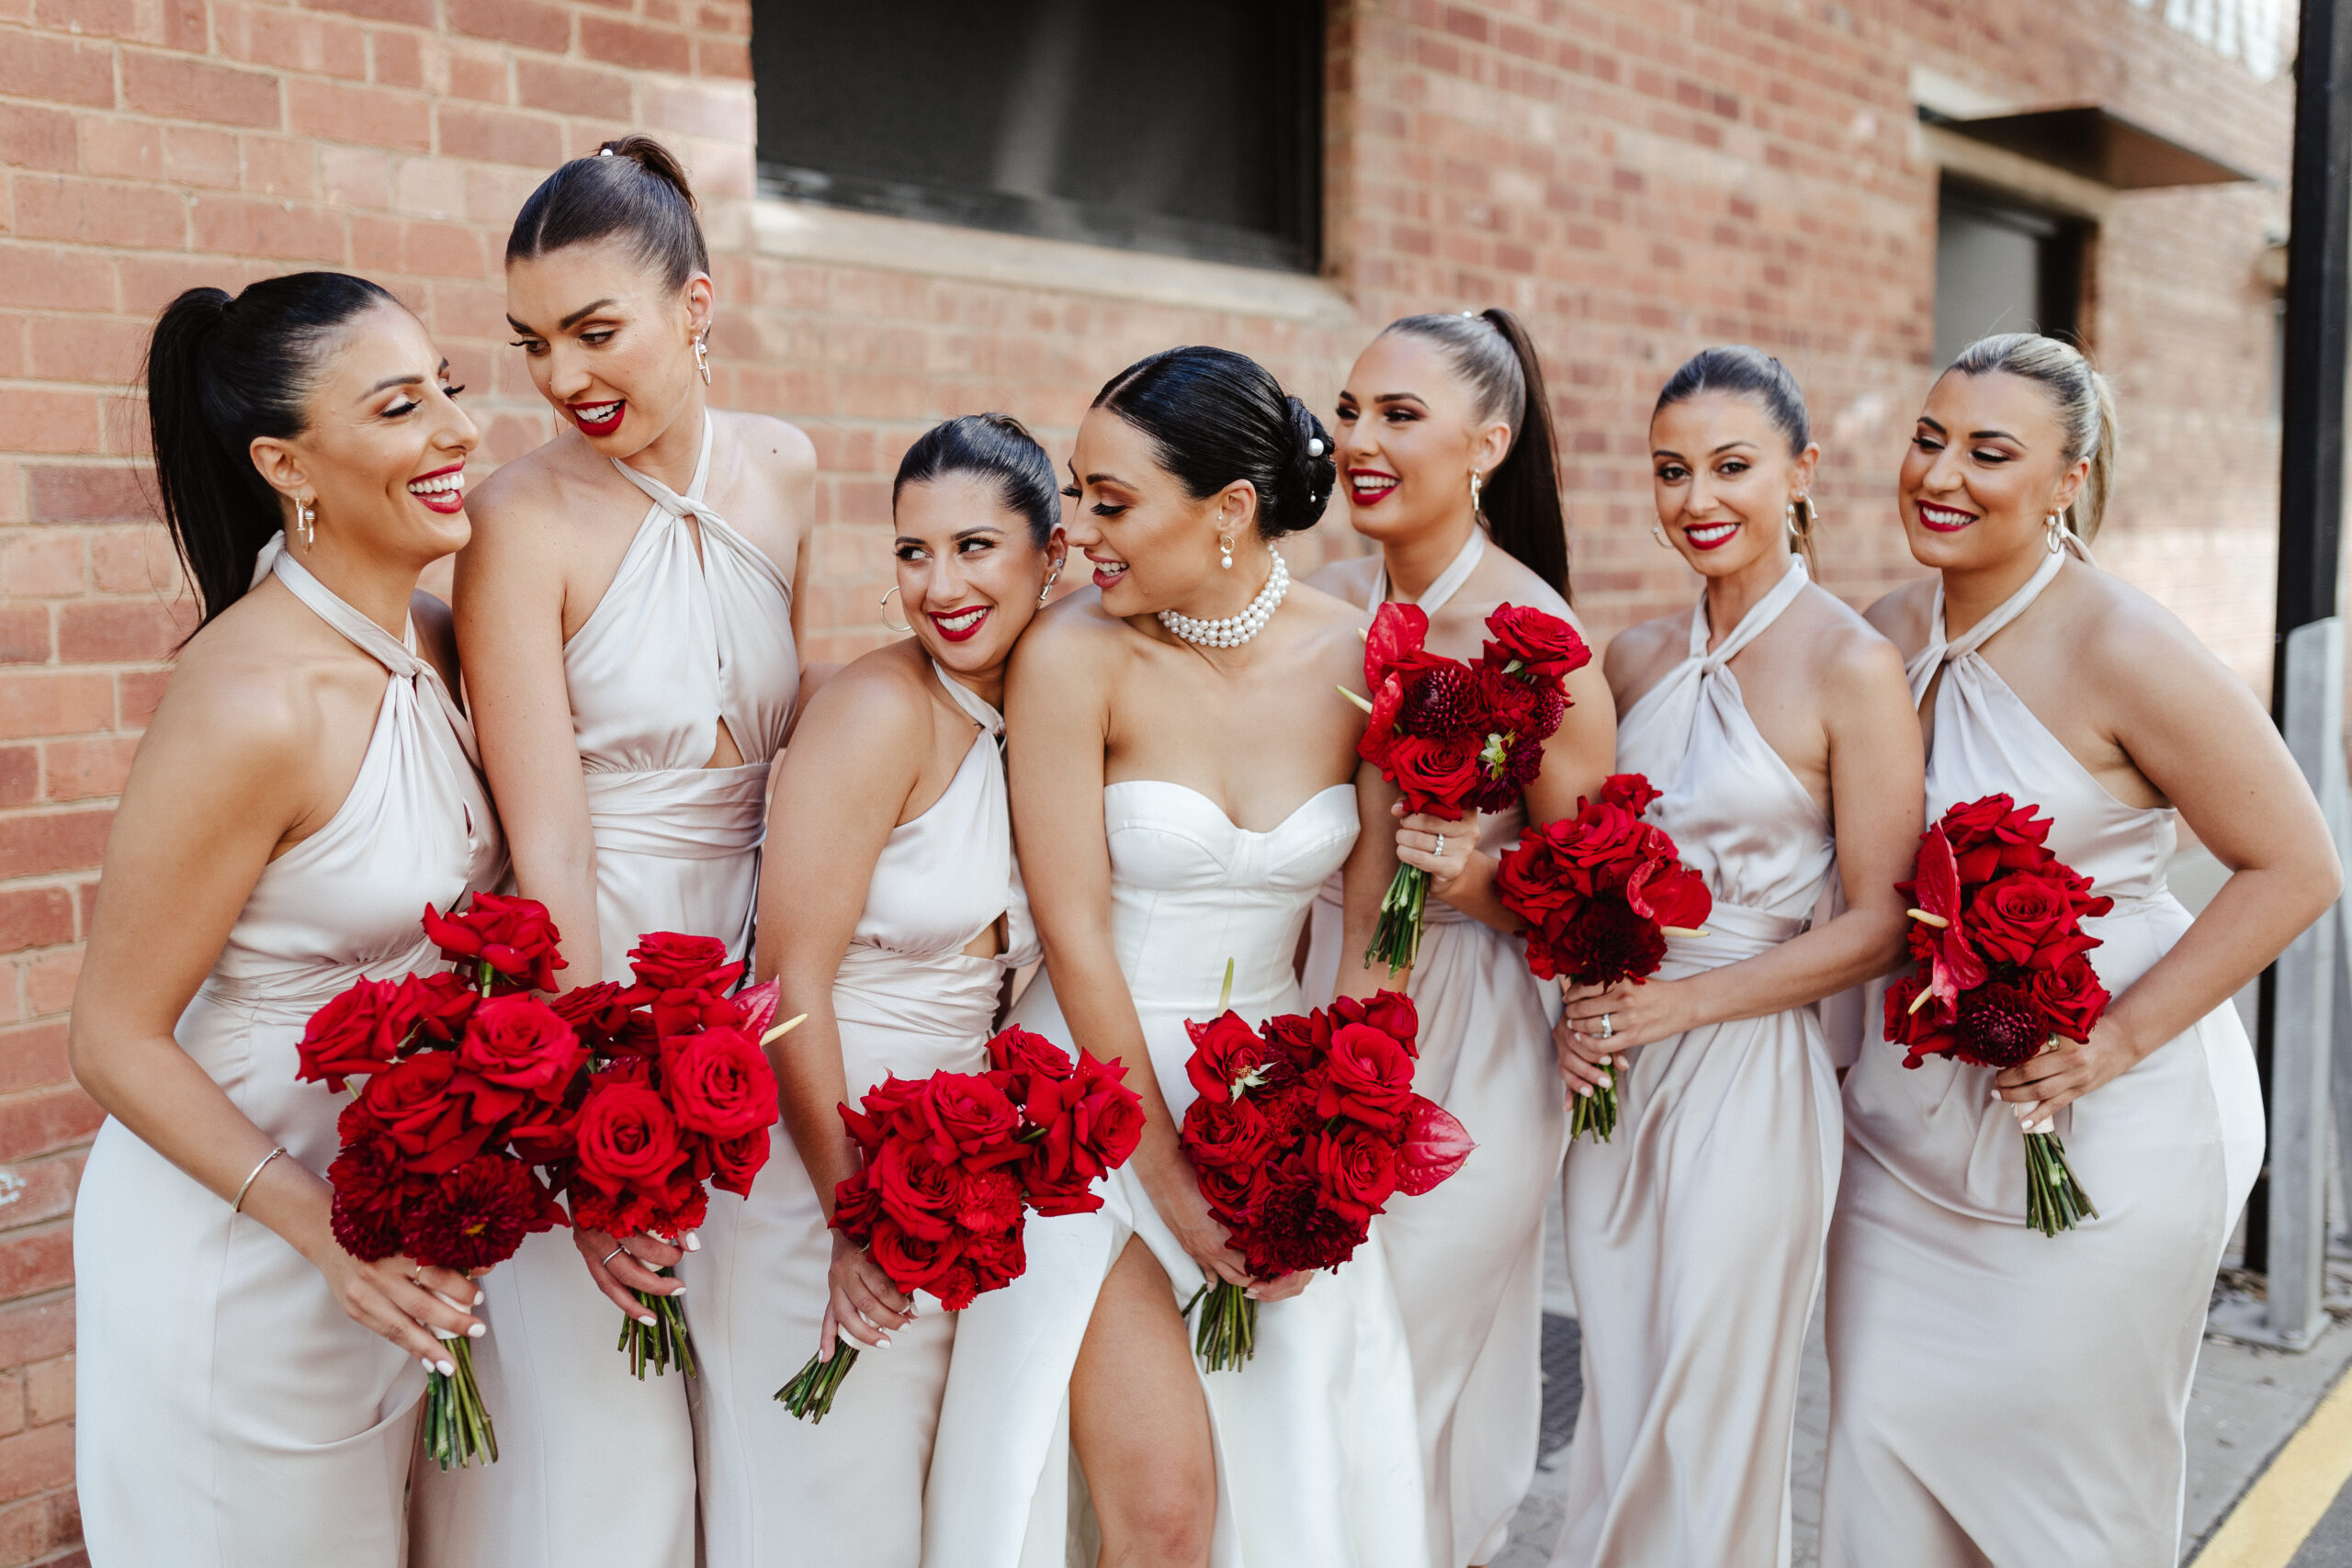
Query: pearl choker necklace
x=1234 y=630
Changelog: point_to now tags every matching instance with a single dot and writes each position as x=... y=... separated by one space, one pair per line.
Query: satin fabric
x=227 y=1410
x=1487 y=1056
x=696 y=628
x=1695 y=1236
x=848 y=1493
x=1316 y=1462
x=2000 y=1397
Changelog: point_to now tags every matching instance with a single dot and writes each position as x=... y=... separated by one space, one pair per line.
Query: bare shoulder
x=2126 y=640
x=1349 y=578
x=1852 y=657
x=246 y=691
x=880 y=696
x=1906 y=616
x=528 y=504
x=781 y=453
x=1641 y=653
x=437 y=634
x=1072 y=642
x=1330 y=629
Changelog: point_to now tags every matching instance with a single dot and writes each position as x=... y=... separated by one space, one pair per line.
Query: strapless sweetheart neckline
x=1210 y=801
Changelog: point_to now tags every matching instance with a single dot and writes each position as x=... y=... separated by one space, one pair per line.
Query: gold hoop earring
x=2054 y=531
x=1051 y=577
x=1225 y=550
x=306 y=517
x=1657 y=532
x=884 y=610
x=702 y=355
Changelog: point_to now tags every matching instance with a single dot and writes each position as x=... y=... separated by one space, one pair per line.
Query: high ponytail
x=1521 y=499
x=221 y=372
x=2085 y=405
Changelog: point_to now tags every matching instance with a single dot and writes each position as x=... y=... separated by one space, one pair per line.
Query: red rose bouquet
x=1301 y=1134
x=952 y=1164
x=463 y=1072
x=679 y=1099
x=1457 y=738
x=1600 y=892
x=2001 y=971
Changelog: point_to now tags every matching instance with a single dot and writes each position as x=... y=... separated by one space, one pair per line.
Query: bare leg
x=1140 y=1424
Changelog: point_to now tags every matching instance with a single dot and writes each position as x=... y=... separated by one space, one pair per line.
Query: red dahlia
x=476 y=1215
x=1999 y=1025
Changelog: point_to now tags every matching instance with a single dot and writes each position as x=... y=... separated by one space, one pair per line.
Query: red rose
x=1627 y=792
x=1994 y=835
x=2018 y=914
x=1227 y=1054
x=666 y=961
x=855 y=1207
x=2070 y=998
x=544 y=1135
x=736 y=1162
x=917 y=1192
x=1392 y=1013
x=596 y=1013
x=1435 y=1146
x=1371 y=1077
x=1235 y=1193
x=968 y=1119
x=1436 y=777
x=1921 y=1033
x=356 y=1033
x=422 y=1104
x=911 y=1261
x=1027 y=1057
x=514 y=936
x=371 y=1189
x=1106 y=1121
x=475 y=1216
x=520 y=1042
x=1296 y=1039
x=721 y=1084
x=1547 y=646
x=885 y=1103
x=625 y=1134
x=1669 y=893
x=1063 y=1192
x=1356 y=1167
x=1226 y=1134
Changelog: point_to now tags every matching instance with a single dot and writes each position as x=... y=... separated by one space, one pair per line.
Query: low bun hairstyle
x=1745 y=372
x=1216 y=416
x=995 y=448
x=1521 y=499
x=634 y=188
x=2086 y=404
x=221 y=372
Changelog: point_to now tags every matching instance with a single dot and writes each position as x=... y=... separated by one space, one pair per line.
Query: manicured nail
x=2047 y=1123
x=1584 y=1089
x=481 y=1296
x=1997 y=1096
x=443 y=1334
x=448 y=1369
x=678 y=1290
x=693 y=1242
x=427 y=1362
x=647 y=1318
x=882 y=1342
x=477 y=1331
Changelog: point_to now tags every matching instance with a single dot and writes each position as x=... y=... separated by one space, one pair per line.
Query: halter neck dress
x=1695 y=1235
x=227 y=1410
x=1314 y=1444
x=695 y=629
x=2001 y=1397
x=1487 y=1056
x=909 y=1000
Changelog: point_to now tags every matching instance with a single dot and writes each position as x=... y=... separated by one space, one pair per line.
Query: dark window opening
x=2004 y=266
x=1192 y=130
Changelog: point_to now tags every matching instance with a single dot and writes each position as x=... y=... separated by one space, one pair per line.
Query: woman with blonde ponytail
x=1444 y=445
x=1999 y=1396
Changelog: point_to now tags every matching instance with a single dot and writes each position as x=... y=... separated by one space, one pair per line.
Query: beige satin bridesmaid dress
x=596 y=1466
x=781 y=1493
x=1695 y=1236
x=1999 y=1397
x=1485 y=1056
x=227 y=1411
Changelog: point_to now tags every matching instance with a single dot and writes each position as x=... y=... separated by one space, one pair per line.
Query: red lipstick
x=613 y=410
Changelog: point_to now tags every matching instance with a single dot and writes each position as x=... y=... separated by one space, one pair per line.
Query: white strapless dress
x=1318 y=1460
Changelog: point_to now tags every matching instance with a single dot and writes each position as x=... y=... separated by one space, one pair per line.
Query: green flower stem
x=1396 y=939
x=663 y=1340
x=809 y=1394
x=1596 y=1113
x=1227 y=1333
x=457 y=1427
x=2054 y=1200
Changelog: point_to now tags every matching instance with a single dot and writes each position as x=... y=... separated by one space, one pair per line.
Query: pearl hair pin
x=1232 y=631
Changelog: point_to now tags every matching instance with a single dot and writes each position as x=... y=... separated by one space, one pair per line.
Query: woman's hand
x=1175 y=1191
x=1585 y=1060
x=2063 y=1073
x=1637 y=1013
x=862 y=1305
x=620 y=1267
x=406 y=1303
x=1444 y=848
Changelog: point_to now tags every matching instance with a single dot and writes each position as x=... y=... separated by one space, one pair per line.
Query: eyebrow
x=388 y=382
x=590 y=309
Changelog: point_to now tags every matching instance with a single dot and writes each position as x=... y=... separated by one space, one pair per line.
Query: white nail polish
x=448 y=1369
x=481 y=1296
x=678 y=1290
x=443 y=1334
x=648 y=1319
x=693 y=1242
x=477 y=1331
x=427 y=1361
x=882 y=1343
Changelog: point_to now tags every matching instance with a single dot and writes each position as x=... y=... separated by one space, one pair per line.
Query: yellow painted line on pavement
x=2286 y=1501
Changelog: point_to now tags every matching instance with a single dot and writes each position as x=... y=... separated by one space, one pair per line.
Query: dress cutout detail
x=1694 y=1237
x=778 y=1493
x=1934 y=1205
x=227 y=1410
x=1316 y=1460
x=683 y=638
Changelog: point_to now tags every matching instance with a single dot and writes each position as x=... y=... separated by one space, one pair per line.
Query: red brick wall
x=1638 y=177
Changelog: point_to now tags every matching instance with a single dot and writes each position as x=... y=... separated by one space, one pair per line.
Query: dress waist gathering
x=679 y=813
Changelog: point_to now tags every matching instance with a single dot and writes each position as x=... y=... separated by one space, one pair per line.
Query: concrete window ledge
x=800 y=230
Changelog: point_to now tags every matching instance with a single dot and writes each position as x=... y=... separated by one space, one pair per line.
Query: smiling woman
x=628 y=616
x=247 y=1390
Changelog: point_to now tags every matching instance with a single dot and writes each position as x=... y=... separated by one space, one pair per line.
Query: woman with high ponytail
x=630 y=620
x=1447 y=462
x=2001 y=1396
x=246 y=1390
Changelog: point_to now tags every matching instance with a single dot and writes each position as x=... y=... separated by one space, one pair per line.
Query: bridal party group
x=1097 y=813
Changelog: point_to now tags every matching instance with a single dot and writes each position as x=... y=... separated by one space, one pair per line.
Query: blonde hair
x=2086 y=404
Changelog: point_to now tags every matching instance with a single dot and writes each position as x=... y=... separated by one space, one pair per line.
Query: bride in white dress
x=1181 y=789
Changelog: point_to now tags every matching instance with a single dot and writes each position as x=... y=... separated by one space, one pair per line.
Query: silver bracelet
x=239 y=1206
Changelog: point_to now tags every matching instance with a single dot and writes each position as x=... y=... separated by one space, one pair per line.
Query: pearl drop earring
x=1225 y=550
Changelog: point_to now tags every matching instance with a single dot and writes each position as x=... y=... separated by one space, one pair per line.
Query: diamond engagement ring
x=1439 y=850
x=1608 y=1026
